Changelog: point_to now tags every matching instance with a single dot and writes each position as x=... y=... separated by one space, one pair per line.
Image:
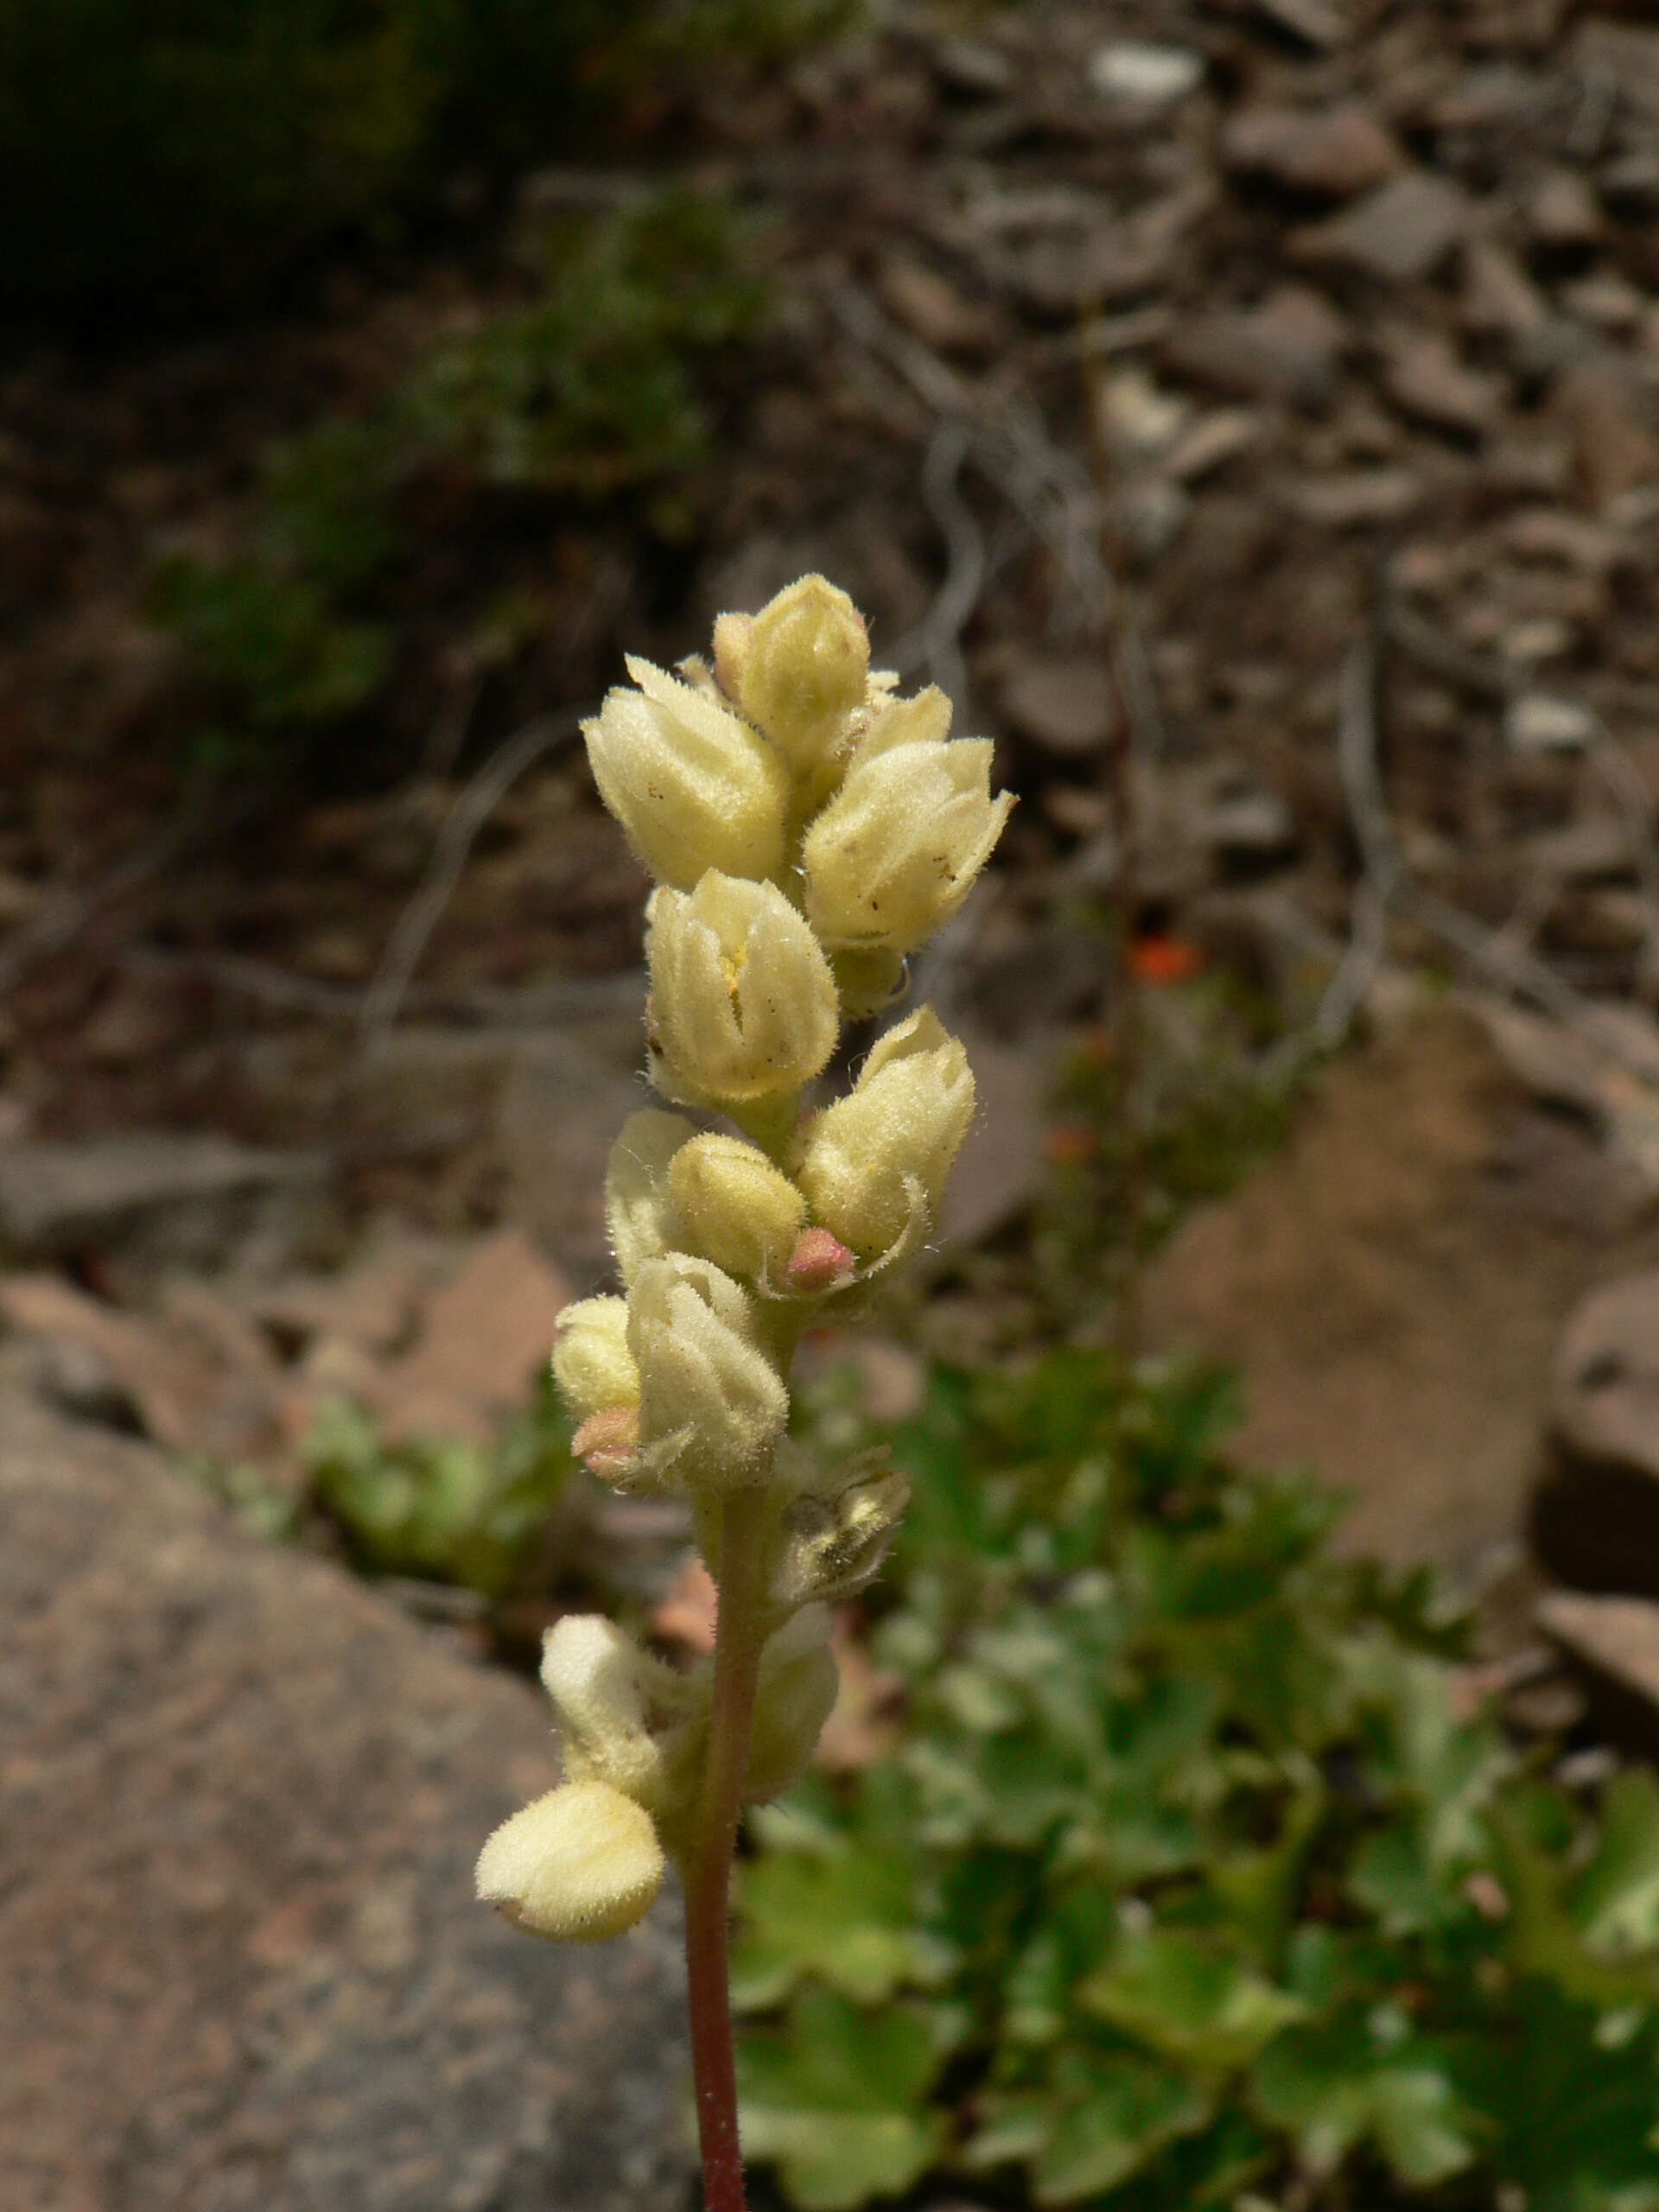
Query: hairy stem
x=739 y=1637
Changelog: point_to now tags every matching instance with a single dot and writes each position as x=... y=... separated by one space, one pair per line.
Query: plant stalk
x=739 y=1635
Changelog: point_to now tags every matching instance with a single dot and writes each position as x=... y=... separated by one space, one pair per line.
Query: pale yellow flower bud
x=604 y=1689
x=896 y=850
x=710 y=1402
x=692 y=785
x=799 y=1680
x=735 y=1205
x=592 y=1364
x=798 y=668
x=639 y=1213
x=893 y=1136
x=583 y=1863
x=742 y=1001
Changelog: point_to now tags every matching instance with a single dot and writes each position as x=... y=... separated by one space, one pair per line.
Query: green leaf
x=846 y=1914
x=1334 y=2088
x=1189 y=1999
x=1615 y=1900
x=1574 y=2107
x=1543 y=1939
x=837 y=2099
x=1119 y=2112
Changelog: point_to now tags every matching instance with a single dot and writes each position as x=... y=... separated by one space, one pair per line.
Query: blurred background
x=1247 y=410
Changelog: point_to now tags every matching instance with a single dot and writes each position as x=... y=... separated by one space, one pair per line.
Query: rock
x=483 y=1338
x=1426 y=379
x=973 y=66
x=1337 y=150
x=1210 y=444
x=173 y=1377
x=1561 y=211
x=1398 y=233
x=1354 y=499
x=161 y=1200
x=1614 y=1641
x=1393 y=1284
x=1605 y=1407
x=1138 y=418
x=554 y=1125
x=1289 y=347
x=931 y=306
x=1062 y=702
x=1499 y=296
x=1315 y=22
x=1151 y=76
x=242 y=1965
x=1613 y=450
x=1537 y=722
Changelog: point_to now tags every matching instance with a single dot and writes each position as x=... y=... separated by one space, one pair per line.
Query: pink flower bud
x=819 y=1262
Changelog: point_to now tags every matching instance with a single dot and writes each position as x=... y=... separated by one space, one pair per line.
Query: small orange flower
x=1158 y=960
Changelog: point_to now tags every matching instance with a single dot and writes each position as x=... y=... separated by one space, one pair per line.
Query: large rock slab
x=1393 y=1285
x=240 y=1961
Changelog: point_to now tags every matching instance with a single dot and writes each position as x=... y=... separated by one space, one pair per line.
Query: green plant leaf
x=1117 y=2112
x=1615 y=1901
x=845 y=1914
x=1189 y=1999
x=1332 y=2089
x=837 y=2099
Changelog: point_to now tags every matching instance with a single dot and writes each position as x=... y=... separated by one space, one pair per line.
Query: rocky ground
x=1253 y=414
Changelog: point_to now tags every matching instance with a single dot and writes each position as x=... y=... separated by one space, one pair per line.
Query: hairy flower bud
x=639 y=1213
x=710 y=1402
x=798 y=668
x=692 y=785
x=735 y=1205
x=582 y=1863
x=605 y=1689
x=893 y=1136
x=797 y=1690
x=742 y=1001
x=592 y=1364
x=896 y=850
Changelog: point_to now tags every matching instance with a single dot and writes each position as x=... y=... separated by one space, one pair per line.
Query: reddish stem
x=737 y=1664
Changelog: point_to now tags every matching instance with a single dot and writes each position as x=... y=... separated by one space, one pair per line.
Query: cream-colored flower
x=734 y=1206
x=896 y=850
x=606 y=1692
x=868 y=1158
x=693 y=786
x=797 y=668
x=711 y=1404
x=592 y=1364
x=639 y=1212
x=742 y=1001
x=581 y=1863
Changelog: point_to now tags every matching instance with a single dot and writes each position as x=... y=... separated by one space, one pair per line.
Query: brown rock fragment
x=1337 y=150
x=1398 y=233
x=1427 y=380
x=1611 y=448
x=1616 y=1642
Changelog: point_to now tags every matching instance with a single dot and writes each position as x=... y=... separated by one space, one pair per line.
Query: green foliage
x=443 y=1509
x=592 y=393
x=1192 y=1877
x=177 y=157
